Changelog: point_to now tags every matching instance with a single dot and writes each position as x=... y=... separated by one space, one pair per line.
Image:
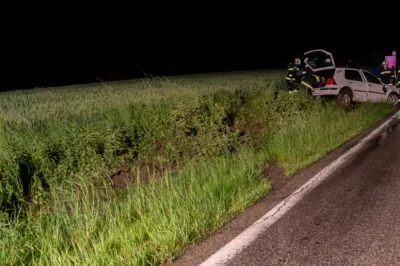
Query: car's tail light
x=330 y=82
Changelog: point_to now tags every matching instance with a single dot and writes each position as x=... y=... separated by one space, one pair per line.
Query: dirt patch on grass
x=247 y=130
x=276 y=174
x=252 y=131
x=139 y=175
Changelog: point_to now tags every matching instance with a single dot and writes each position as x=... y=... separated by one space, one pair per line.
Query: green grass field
x=132 y=172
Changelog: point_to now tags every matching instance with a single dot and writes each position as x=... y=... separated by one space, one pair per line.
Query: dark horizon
x=56 y=51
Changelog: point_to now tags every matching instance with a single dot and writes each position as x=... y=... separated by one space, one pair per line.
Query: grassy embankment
x=193 y=149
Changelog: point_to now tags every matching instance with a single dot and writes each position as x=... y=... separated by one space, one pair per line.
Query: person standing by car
x=393 y=77
x=298 y=70
x=311 y=80
x=290 y=76
x=293 y=75
x=386 y=74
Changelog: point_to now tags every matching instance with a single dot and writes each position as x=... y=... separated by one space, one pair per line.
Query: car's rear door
x=376 y=92
x=355 y=80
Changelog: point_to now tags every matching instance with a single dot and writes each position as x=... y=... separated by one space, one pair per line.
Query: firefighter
x=398 y=76
x=312 y=80
x=298 y=71
x=294 y=75
x=393 y=78
x=386 y=73
x=290 y=76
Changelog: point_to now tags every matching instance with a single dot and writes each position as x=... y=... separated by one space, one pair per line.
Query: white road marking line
x=234 y=247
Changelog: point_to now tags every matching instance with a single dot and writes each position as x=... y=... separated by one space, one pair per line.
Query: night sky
x=51 y=50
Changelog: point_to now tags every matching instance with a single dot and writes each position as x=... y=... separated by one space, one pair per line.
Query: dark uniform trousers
x=386 y=76
x=398 y=77
x=290 y=76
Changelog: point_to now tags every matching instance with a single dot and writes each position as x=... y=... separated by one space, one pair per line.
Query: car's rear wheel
x=393 y=98
x=345 y=98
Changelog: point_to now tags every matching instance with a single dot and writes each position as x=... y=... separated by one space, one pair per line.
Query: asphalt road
x=352 y=218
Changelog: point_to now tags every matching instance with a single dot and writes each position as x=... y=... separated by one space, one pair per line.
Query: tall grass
x=306 y=138
x=193 y=149
x=142 y=225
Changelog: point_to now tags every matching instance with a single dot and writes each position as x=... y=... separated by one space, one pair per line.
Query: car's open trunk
x=322 y=63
